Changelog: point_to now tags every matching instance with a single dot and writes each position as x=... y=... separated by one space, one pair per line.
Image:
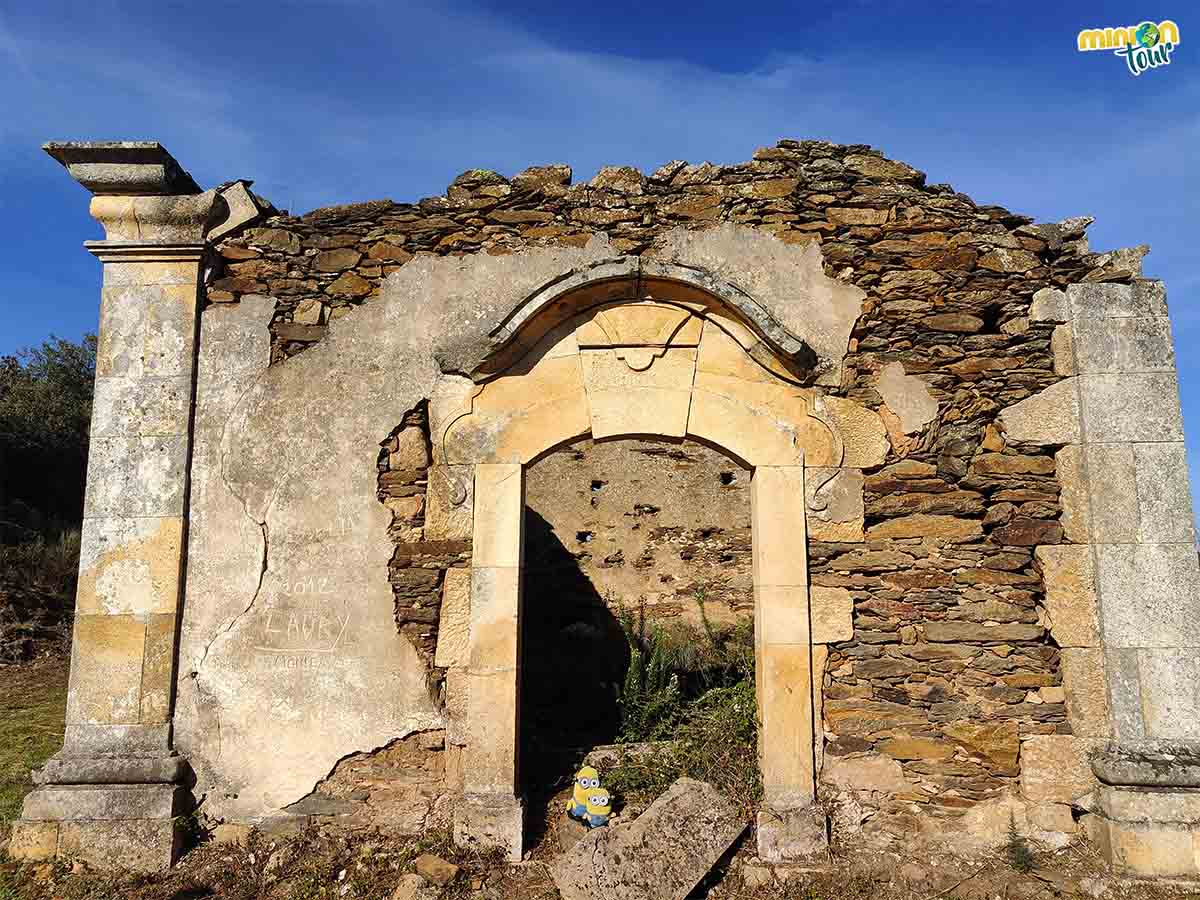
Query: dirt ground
x=318 y=865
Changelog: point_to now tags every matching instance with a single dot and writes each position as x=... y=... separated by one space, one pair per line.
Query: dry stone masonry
x=339 y=460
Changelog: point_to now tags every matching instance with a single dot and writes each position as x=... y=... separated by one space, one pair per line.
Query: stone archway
x=657 y=357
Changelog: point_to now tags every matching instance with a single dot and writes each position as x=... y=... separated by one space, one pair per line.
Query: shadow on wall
x=573 y=658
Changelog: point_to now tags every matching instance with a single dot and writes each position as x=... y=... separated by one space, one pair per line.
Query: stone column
x=113 y=794
x=1130 y=576
x=787 y=827
x=491 y=813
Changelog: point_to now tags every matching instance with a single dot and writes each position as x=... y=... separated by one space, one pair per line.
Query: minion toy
x=599 y=805
x=587 y=780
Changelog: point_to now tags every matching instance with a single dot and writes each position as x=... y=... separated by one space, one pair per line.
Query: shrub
x=1017 y=852
x=37 y=593
x=694 y=689
x=47 y=565
x=45 y=409
x=650 y=698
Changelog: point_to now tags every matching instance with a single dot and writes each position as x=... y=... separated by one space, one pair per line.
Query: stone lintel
x=123 y=168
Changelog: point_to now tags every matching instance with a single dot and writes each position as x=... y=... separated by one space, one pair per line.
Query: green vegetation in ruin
x=651 y=699
x=672 y=666
x=1017 y=852
x=692 y=689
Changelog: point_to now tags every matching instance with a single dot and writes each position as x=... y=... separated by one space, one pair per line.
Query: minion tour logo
x=1145 y=46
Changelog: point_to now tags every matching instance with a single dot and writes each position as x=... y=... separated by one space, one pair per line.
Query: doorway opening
x=637 y=552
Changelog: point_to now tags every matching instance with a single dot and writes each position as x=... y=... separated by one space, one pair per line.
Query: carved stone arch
x=634 y=277
x=625 y=358
x=611 y=355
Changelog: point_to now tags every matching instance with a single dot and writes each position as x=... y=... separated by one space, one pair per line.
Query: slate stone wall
x=951 y=666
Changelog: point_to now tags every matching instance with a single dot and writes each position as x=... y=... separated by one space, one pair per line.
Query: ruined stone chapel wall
x=979 y=381
x=951 y=663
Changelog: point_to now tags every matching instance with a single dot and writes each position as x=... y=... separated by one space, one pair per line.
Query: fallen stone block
x=414 y=887
x=662 y=854
x=569 y=833
x=435 y=869
x=609 y=756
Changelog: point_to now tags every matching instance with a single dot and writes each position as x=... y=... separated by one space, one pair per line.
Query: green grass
x=33 y=703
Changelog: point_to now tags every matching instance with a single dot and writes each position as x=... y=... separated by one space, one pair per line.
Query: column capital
x=141 y=195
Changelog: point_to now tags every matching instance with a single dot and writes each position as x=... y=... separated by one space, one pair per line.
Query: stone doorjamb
x=492 y=810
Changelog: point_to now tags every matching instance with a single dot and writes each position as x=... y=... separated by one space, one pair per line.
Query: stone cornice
x=123 y=168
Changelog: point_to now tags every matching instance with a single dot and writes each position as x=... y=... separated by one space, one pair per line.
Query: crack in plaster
x=211 y=703
x=262 y=525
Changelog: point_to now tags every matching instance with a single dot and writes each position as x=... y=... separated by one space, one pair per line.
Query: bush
x=651 y=700
x=693 y=688
x=37 y=594
x=43 y=565
x=716 y=741
x=45 y=411
x=671 y=666
x=1017 y=852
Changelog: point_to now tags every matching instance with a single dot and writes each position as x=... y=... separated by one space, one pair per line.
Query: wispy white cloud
x=393 y=125
x=377 y=112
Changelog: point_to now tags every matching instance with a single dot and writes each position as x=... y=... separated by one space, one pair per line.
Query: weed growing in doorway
x=691 y=688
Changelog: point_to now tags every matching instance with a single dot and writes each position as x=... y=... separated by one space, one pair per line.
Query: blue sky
x=324 y=103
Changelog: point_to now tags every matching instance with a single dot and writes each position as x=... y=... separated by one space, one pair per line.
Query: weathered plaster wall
x=299 y=445
x=290 y=657
x=648 y=524
x=951 y=671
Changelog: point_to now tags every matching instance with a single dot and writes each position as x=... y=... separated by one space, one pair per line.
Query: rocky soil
x=322 y=865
